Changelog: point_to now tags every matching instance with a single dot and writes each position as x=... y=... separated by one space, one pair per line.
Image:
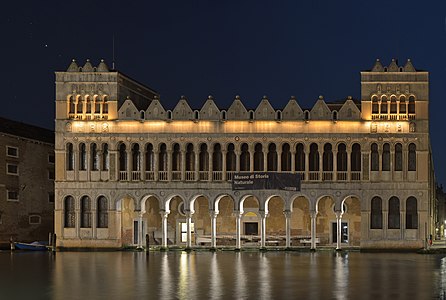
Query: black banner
x=266 y=181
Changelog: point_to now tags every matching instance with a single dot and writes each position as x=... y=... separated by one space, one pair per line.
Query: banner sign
x=266 y=181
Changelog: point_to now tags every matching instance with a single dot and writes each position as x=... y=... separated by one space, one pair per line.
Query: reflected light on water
x=215 y=286
x=264 y=278
x=341 y=274
x=240 y=278
x=165 y=278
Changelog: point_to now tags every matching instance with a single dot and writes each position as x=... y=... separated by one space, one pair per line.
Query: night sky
x=223 y=49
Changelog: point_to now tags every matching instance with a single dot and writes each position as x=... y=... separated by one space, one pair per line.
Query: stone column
x=321 y=162
x=262 y=229
x=349 y=165
x=238 y=217
x=287 y=214
x=140 y=235
x=155 y=164
x=189 y=229
x=265 y=159
x=313 y=215
x=211 y=164
x=279 y=160
x=169 y=165
x=335 y=164
x=307 y=164
x=213 y=214
x=164 y=216
x=223 y=166
x=183 y=165
x=237 y=161
x=197 y=164
x=293 y=161
x=338 y=229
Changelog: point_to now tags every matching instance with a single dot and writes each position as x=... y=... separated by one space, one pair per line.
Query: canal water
x=221 y=275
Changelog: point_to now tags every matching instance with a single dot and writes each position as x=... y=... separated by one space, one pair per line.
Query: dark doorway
x=251 y=228
x=344 y=232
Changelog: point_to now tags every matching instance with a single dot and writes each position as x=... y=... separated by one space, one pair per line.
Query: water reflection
x=221 y=275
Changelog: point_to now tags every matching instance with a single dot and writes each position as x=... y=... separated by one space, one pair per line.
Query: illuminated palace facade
x=128 y=170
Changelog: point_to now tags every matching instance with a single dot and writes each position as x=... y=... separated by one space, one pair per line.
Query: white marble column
x=338 y=230
x=313 y=215
x=213 y=228
x=287 y=214
x=262 y=229
x=238 y=217
x=189 y=229
x=164 y=215
x=140 y=236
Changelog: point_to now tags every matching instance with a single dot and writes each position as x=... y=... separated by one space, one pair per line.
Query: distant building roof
x=26 y=131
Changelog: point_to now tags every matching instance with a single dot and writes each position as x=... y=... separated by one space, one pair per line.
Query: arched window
x=398 y=157
x=394 y=213
x=402 y=104
x=231 y=163
x=223 y=115
x=105 y=105
x=411 y=105
x=386 y=157
x=342 y=158
x=306 y=115
x=374 y=158
x=69 y=212
x=334 y=115
x=412 y=161
x=105 y=158
x=204 y=158
x=97 y=105
x=122 y=157
x=190 y=157
x=94 y=157
x=272 y=157
x=258 y=157
x=176 y=158
x=82 y=157
x=251 y=115
x=70 y=157
x=80 y=104
x=384 y=104
x=162 y=157
x=102 y=211
x=196 y=115
x=314 y=157
x=327 y=158
x=300 y=158
x=85 y=212
x=88 y=105
x=286 y=158
x=376 y=216
x=375 y=106
x=217 y=158
x=72 y=108
x=411 y=213
x=356 y=158
x=150 y=158
x=393 y=105
x=244 y=158
x=278 y=115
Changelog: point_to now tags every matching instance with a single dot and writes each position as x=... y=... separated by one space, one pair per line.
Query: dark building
x=26 y=181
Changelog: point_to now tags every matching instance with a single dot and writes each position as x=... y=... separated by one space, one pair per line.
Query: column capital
x=313 y=214
x=339 y=214
x=287 y=214
x=164 y=214
x=263 y=214
x=213 y=213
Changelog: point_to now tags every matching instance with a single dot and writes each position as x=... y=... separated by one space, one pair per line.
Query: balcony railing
x=136 y=175
x=176 y=175
x=341 y=176
x=229 y=175
x=356 y=175
x=327 y=176
x=190 y=175
x=163 y=175
x=217 y=175
x=150 y=176
x=123 y=176
x=314 y=175
x=203 y=175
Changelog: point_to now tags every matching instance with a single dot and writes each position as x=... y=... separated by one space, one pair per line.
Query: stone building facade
x=128 y=168
x=26 y=182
